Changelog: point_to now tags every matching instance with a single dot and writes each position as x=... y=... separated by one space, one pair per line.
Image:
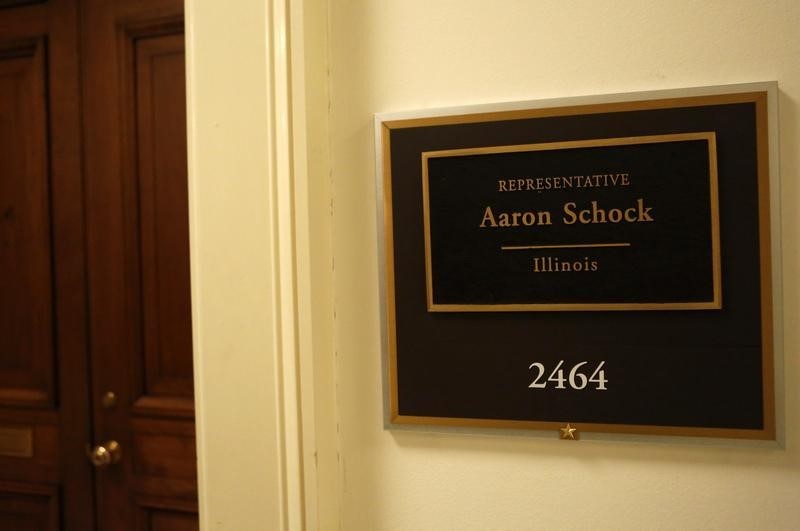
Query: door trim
x=254 y=415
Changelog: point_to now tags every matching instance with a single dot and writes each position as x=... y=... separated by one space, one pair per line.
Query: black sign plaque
x=604 y=224
x=582 y=267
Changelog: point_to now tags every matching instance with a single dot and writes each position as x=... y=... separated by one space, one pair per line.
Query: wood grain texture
x=95 y=244
x=160 y=98
x=137 y=222
x=164 y=458
x=28 y=507
x=159 y=514
x=27 y=350
x=17 y=3
x=160 y=520
x=43 y=350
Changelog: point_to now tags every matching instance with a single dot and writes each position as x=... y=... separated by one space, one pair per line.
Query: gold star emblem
x=568 y=432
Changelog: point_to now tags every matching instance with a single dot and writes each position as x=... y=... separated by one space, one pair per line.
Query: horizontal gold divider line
x=566 y=246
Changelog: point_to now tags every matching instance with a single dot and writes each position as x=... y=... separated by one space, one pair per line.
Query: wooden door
x=94 y=274
x=137 y=239
x=44 y=391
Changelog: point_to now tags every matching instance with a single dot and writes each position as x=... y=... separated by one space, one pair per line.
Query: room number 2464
x=578 y=376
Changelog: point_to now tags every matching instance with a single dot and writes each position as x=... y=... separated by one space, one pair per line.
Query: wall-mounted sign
x=606 y=264
x=603 y=224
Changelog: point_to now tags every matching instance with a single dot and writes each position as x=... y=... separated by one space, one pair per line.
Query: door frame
x=252 y=227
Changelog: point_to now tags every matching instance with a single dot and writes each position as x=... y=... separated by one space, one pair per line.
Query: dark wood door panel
x=27 y=349
x=165 y=458
x=159 y=514
x=154 y=72
x=138 y=249
x=29 y=507
x=15 y=3
x=44 y=419
x=94 y=244
x=138 y=242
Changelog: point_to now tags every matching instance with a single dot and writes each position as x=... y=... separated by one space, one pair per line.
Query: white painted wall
x=267 y=160
x=392 y=55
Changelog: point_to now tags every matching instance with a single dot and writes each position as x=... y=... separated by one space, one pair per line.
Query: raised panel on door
x=154 y=515
x=27 y=348
x=156 y=82
x=157 y=224
x=139 y=250
x=16 y=3
x=44 y=420
x=26 y=507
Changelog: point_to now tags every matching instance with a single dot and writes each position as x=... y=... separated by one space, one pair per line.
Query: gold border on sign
x=388 y=224
x=586 y=427
x=768 y=430
x=714 y=303
x=765 y=265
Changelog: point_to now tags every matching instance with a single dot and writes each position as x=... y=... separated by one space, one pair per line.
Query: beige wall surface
x=394 y=55
x=284 y=245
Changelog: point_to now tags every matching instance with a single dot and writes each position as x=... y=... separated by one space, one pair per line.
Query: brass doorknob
x=108 y=453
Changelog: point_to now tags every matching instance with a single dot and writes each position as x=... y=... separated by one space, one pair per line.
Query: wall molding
x=252 y=440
